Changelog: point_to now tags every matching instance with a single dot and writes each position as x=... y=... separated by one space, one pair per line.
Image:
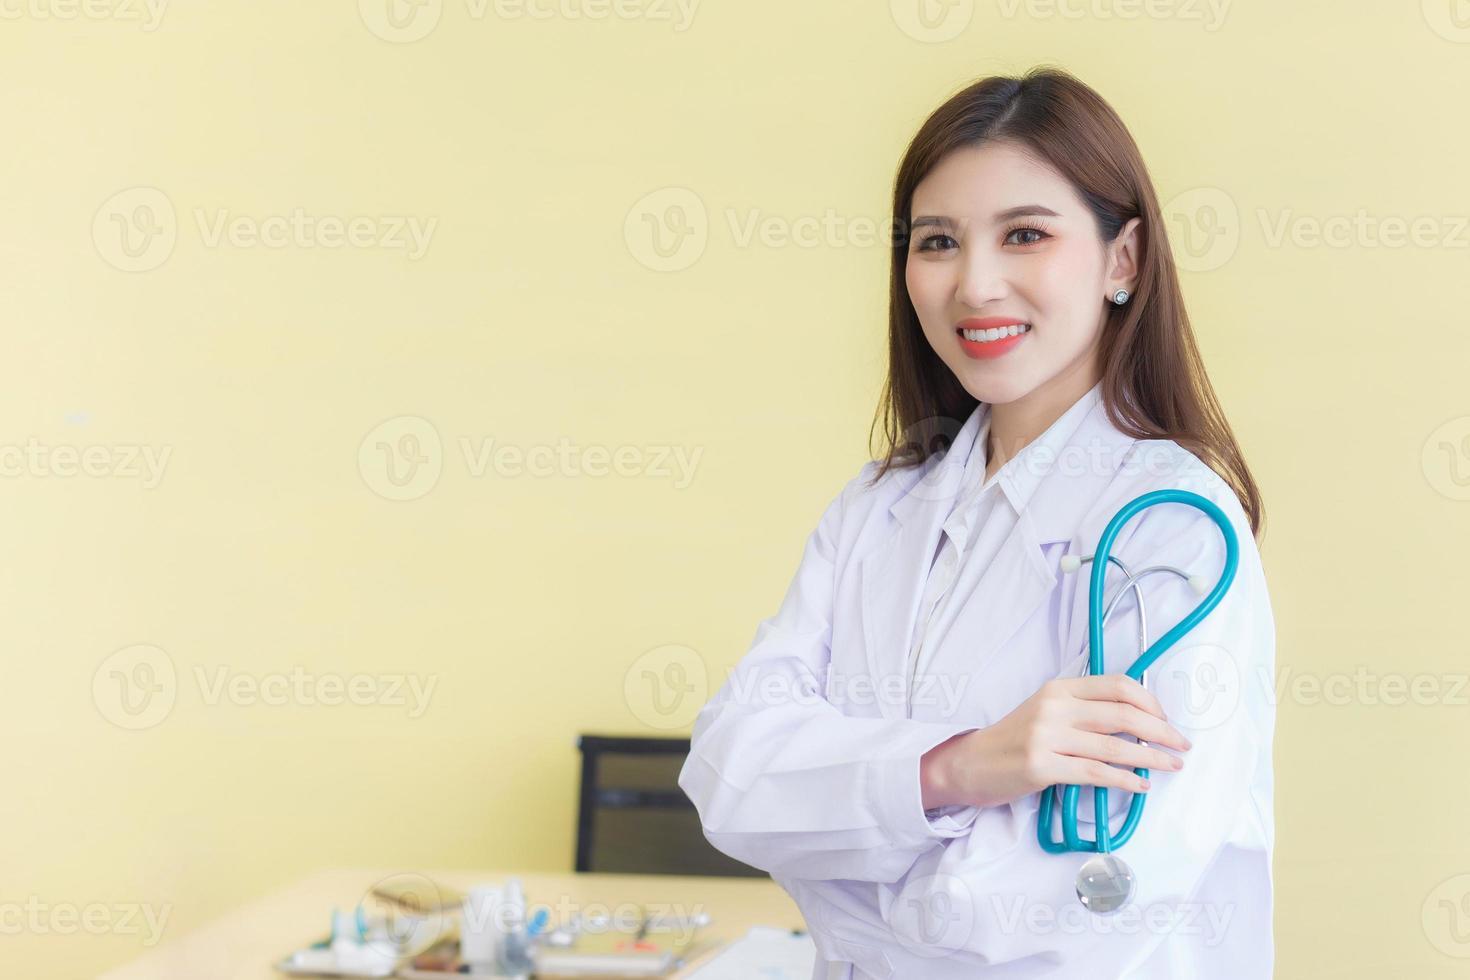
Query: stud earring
x=1120 y=297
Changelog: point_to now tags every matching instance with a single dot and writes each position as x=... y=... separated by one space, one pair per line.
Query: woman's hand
x=1061 y=734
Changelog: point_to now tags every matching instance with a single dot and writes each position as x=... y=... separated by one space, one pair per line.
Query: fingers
x=1117 y=687
x=1090 y=772
x=1117 y=703
x=1118 y=752
x=1108 y=717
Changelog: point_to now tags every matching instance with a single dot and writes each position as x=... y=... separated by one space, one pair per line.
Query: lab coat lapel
x=1010 y=590
x=894 y=573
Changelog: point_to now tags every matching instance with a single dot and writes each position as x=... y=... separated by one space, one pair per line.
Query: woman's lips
x=1007 y=335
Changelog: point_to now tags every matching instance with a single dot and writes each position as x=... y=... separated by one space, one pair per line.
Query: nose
x=981 y=283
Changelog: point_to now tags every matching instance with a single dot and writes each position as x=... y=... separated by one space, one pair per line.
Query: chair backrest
x=632 y=817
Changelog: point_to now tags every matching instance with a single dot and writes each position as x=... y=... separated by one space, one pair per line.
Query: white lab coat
x=805 y=763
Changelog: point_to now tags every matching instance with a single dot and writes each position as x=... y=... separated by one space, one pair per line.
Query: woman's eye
x=928 y=244
x=936 y=243
x=1027 y=231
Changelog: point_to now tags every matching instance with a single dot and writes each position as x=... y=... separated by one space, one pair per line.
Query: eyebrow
x=1019 y=211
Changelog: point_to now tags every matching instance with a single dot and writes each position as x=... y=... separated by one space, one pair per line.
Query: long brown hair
x=1154 y=384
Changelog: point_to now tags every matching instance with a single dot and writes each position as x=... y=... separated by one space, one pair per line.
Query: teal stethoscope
x=1105 y=883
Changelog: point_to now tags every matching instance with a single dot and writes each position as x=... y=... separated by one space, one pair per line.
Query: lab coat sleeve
x=785 y=781
x=1007 y=899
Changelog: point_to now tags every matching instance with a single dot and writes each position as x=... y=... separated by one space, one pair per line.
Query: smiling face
x=1000 y=241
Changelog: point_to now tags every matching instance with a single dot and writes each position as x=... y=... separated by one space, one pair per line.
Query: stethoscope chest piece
x=1104 y=884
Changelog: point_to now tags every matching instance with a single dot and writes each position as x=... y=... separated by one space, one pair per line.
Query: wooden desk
x=243 y=944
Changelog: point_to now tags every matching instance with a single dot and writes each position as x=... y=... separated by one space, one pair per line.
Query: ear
x=1123 y=253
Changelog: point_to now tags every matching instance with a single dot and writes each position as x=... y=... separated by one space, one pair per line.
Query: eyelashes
x=1038 y=231
x=1039 y=227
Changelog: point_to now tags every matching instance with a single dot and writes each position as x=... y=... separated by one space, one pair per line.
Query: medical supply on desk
x=486 y=934
x=595 y=946
x=360 y=947
x=415 y=894
x=348 y=954
x=480 y=941
x=489 y=934
x=1105 y=882
x=613 y=958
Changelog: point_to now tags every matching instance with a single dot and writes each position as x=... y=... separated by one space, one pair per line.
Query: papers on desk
x=764 y=952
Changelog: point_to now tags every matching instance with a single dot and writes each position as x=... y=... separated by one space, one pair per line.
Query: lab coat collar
x=1080 y=449
x=1022 y=474
x=1019 y=476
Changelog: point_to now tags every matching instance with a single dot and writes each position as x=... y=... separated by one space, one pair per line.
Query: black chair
x=632 y=817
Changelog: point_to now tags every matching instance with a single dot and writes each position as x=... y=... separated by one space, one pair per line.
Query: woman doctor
x=882 y=747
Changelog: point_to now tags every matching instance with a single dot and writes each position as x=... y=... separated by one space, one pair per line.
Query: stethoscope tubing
x=1105 y=840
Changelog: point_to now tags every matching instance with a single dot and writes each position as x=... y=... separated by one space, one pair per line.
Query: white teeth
x=996 y=333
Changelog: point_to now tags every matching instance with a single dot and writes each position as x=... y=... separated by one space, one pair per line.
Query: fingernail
x=1145 y=784
x=1178 y=762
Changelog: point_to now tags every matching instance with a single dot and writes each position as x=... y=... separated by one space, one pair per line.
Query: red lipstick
x=986 y=349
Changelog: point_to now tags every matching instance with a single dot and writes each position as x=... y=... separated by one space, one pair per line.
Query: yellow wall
x=540 y=315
